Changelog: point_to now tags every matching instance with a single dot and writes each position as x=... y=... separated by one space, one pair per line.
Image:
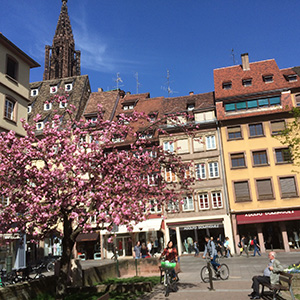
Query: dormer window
x=268 y=78
x=190 y=106
x=152 y=116
x=247 y=82
x=227 y=85
x=63 y=104
x=291 y=78
x=127 y=107
x=68 y=87
x=53 y=89
x=47 y=106
x=40 y=125
x=34 y=92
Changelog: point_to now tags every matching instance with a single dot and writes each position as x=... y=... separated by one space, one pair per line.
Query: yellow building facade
x=263 y=187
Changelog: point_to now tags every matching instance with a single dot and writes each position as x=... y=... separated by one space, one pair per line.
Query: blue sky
x=189 y=38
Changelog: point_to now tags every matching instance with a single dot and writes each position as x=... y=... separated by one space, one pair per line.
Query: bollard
x=117 y=266
x=136 y=268
x=211 y=286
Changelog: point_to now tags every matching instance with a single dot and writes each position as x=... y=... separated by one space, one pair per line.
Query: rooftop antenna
x=233 y=56
x=137 y=82
x=118 y=80
x=168 y=88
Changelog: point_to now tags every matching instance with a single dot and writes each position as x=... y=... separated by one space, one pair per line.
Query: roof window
x=247 y=82
x=227 y=85
x=34 y=92
x=268 y=78
x=291 y=78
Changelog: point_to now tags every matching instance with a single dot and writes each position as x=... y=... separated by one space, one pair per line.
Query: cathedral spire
x=61 y=59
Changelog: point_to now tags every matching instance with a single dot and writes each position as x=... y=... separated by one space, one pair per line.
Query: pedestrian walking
x=256 y=246
x=196 y=248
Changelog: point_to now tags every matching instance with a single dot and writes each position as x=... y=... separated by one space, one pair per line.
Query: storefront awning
x=269 y=216
x=148 y=225
x=87 y=237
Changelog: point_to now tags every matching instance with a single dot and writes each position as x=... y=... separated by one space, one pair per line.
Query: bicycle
x=222 y=272
x=170 y=282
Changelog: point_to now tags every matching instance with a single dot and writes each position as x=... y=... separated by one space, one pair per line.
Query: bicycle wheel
x=223 y=271
x=167 y=284
x=50 y=266
x=204 y=274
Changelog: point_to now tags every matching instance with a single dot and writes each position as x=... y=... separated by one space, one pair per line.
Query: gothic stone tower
x=62 y=60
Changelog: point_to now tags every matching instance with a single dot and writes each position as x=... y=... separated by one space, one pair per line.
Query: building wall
x=17 y=90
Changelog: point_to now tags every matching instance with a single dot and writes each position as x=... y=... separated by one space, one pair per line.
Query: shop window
x=234 y=132
x=217 y=201
x=260 y=158
x=168 y=146
x=200 y=170
x=210 y=142
x=277 y=127
x=203 y=201
x=283 y=155
x=173 y=206
x=12 y=67
x=213 y=168
x=183 y=146
x=9 y=109
x=242 y=192
x=256 y=130
x=198 y=144
x=188 y=203
x=238 y=160
x=264 y=189
x=288 y=187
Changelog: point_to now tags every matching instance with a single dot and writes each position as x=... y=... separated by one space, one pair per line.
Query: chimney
x=245 y=61
x=191 y=93
x=100 y=90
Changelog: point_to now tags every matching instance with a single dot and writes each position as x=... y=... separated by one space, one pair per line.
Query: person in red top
x=171 y=255
x=170 y=252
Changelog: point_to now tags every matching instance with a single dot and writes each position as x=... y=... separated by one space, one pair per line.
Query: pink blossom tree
x=76 y=171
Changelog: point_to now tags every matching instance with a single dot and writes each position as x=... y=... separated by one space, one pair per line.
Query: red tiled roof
x=106 y=99
x=236 y=74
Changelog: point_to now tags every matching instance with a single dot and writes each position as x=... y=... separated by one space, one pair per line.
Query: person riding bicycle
x=210 y=249
x=171 y=254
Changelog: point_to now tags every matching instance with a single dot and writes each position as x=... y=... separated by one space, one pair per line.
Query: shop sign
x=269 y=216
x=204 y=226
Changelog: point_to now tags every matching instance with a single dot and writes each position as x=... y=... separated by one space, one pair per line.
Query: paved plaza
x=237 y=287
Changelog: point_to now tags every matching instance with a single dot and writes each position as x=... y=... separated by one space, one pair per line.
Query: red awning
x=268 y=216
x=86 y=237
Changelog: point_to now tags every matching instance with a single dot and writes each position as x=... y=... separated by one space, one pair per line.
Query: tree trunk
x=65 y=262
